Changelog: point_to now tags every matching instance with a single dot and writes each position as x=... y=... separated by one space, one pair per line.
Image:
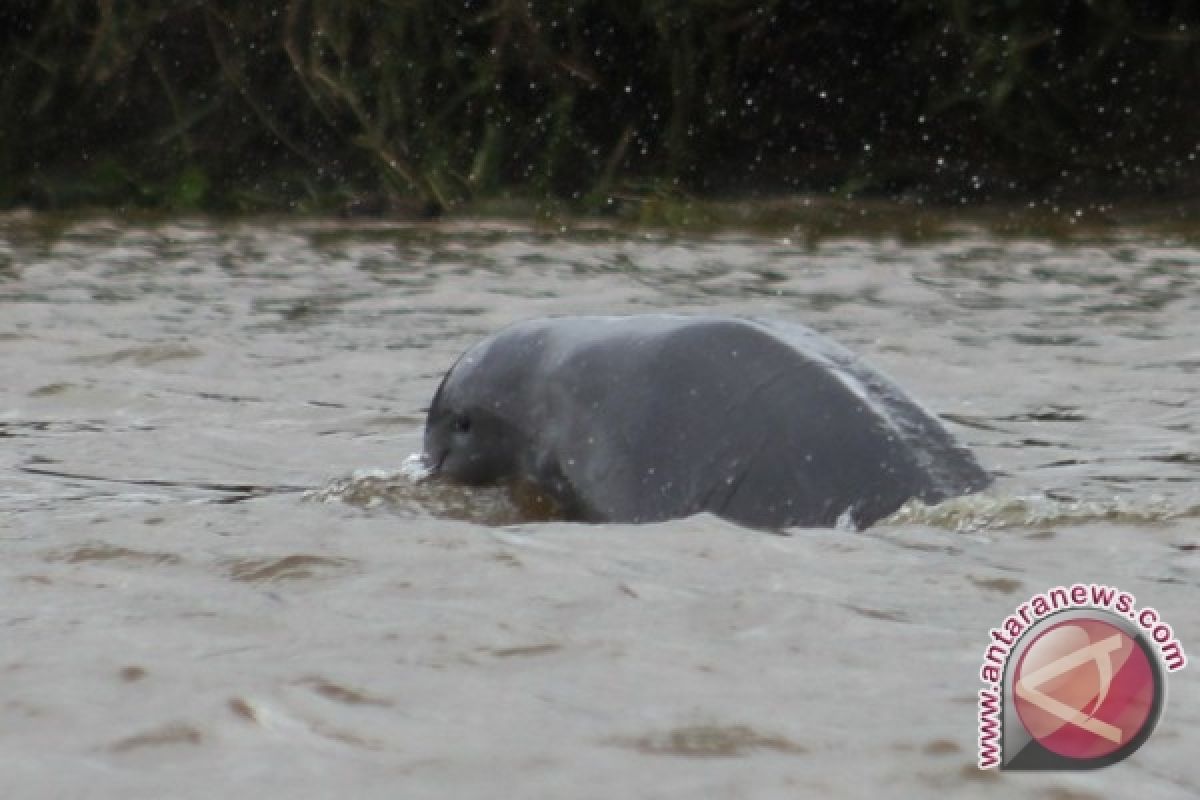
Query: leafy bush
x=312 y=103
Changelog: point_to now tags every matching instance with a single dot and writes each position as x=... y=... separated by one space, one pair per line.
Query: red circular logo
x=1084 y=688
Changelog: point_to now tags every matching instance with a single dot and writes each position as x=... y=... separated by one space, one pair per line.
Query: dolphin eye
x=462 y=424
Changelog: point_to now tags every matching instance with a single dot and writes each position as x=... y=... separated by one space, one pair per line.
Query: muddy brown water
x=219 y=579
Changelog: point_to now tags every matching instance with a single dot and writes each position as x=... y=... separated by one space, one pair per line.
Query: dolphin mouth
x=435 y=462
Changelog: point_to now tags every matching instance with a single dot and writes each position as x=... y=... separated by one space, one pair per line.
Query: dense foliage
x=313 y=103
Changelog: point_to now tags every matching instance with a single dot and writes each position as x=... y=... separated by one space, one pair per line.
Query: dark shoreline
x=425 y=108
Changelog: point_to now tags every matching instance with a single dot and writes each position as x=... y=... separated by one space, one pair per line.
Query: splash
x=411 y=492
x=416 y=467
x=408 y=492
x=983 y=512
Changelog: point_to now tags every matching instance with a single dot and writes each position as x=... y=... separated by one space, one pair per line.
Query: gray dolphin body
x=647 y=418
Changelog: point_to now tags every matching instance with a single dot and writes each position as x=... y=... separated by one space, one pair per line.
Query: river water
x=218 y=579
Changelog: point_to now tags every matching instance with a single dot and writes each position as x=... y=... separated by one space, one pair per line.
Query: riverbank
x=801 y=219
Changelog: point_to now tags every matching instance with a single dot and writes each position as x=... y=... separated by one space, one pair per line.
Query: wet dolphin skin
x=647 y=418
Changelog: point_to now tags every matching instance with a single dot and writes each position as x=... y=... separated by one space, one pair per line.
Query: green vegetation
x=594 y=105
